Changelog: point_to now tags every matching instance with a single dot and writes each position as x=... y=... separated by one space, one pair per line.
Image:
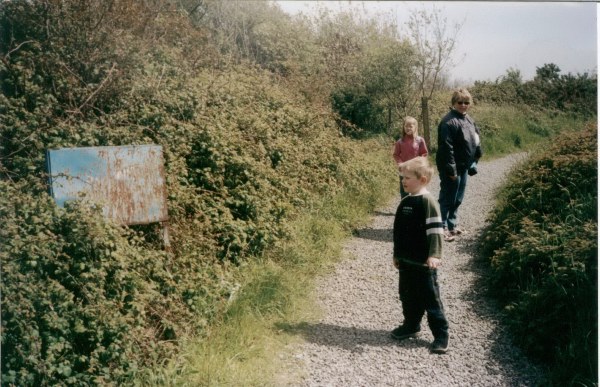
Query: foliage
x=549 y=90
x=434 y=46
x=542 y=245
x=273 y=291
x=388 y=73
x=65 y=66
x=357 y=111
x=85 y=302
x=370 y=69
x=378 y=74
x=508 y=128
x=252 y=31
x=254 y=111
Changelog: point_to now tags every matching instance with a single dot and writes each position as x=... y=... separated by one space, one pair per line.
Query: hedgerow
x=86 y=302
x=548 y=90
x=83 y=301
x=236 y=171
x=542 y=245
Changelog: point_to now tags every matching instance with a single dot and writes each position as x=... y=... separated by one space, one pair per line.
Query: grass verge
x=510 y=129
x=275 y=290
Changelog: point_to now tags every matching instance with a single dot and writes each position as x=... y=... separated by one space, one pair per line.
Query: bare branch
x=17 y=48
x=78 y=110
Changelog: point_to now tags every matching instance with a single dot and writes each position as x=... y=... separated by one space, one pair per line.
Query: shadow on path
x=348 y=338
x=381 y=235
x=381 y=213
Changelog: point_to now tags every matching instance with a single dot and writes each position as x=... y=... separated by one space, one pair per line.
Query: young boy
x=418 y=235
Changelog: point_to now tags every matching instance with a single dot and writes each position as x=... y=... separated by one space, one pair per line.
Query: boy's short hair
x=419 y=166
x=461 y=95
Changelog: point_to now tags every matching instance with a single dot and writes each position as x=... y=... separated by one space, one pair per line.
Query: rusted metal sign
x=127 y=181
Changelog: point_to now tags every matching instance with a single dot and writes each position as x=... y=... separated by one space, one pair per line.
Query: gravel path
x=351 y=346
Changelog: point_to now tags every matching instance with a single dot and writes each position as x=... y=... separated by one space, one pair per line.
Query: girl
x=409 y=146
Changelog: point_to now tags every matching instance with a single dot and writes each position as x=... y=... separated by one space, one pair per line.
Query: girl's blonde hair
x=419 y=166
x=413 y=120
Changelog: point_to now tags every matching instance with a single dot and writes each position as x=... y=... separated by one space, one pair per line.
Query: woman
x=459 y=147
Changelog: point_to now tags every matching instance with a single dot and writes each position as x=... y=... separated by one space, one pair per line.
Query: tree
x=369 y=68
x=578 y=93
x=435 y=45
x=548 y=73
x=508 y=86
x=513 y=77
x=388 y=77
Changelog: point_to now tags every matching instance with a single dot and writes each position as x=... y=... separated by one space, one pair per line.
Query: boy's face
x=411 y=183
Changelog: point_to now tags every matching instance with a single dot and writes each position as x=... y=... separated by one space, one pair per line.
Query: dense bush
x=85 y=302
x=242 y=163
x=549 y=90
x=357 y=112
x=542 y=245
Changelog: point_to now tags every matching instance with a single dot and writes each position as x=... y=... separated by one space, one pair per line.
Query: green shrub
x=542 y=244
x=246 y=152
x=356 y=111
x=549 y=90
x=86 y=302
x=68 y=306
x=537 y=129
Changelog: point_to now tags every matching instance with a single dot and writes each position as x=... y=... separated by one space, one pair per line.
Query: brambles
x=542 y=245
x=85 y=302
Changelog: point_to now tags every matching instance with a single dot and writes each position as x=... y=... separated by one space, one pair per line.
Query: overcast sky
x=498 y=35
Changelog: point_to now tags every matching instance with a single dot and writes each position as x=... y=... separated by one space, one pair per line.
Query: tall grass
x=509 y=129
x=276 y=289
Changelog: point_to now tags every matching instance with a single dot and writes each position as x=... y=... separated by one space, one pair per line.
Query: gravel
x=350 y=345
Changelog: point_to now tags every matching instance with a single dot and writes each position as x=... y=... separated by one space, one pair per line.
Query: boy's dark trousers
x=420 y=293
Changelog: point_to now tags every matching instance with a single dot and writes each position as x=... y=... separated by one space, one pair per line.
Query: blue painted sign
x=127 y=181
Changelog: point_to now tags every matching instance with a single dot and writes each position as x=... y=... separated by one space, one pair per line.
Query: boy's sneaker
x=439 y=345
x=448 y=236
x=403 y=332
x=457 y=231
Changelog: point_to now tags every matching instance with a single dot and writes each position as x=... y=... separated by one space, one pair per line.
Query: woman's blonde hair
x=461 y=95
x=413 y=120
x=419 y=166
